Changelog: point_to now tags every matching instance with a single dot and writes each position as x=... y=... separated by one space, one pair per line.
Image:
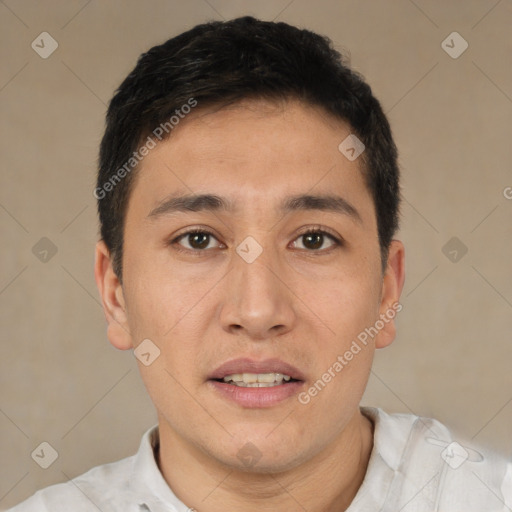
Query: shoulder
x=110 y=487
x=103 y=487
x=432 y=465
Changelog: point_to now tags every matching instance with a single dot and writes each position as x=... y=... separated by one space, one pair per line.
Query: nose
x=258 y=301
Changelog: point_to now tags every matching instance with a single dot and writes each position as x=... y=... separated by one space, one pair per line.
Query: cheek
x=157 y=296
x=167 y=309
x=348 y=304
x=343 y=359
x=349 y=307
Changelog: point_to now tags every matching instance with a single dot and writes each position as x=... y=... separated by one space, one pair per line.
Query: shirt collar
x=390 y=434
x=150 y=488
x=389 y=439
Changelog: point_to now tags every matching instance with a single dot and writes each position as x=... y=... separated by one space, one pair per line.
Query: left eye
x=315 y=239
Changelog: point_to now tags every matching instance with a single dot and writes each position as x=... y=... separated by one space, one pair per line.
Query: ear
x=392 y=285
x=111 y=292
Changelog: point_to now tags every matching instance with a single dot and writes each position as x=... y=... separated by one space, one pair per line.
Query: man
x=248 y=195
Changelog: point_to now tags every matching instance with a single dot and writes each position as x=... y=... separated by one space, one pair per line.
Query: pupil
x=196 y=237
x=312 y=236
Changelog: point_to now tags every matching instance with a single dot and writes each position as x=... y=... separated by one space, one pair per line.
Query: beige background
x=61 y=381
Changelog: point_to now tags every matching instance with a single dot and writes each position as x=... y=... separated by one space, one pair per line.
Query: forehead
x=253 y=153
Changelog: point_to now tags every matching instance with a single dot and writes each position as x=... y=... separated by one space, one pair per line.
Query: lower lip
x=257 y=397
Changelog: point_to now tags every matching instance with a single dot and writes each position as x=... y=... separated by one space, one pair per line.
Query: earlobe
x=392 y=286
x=112 y=297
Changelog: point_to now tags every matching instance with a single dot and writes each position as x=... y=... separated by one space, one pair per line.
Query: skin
x=298 y=302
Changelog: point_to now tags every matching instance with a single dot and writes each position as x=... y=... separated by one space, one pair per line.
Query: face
x=270 y=282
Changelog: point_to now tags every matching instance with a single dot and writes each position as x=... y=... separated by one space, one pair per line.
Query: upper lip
x=246 y=365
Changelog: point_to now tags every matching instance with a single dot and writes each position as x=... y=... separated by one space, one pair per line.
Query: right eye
x=198 y=240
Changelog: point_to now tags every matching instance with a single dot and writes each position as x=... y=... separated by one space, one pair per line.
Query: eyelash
x=338 y=242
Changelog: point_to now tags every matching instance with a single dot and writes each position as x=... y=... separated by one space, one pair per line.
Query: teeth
x=256 y=384
x=269 y=377
x=236 y=377
x=255 y=380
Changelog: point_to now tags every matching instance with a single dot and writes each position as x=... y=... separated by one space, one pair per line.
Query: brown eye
x=314 y=240
x=197 y=240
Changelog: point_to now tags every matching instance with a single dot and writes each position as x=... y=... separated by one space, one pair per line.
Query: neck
x=328 y=482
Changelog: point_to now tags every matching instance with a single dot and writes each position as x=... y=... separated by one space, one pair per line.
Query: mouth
x=254 y=384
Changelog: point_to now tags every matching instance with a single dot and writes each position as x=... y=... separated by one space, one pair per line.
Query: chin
x=259 y=454
x=266 y=465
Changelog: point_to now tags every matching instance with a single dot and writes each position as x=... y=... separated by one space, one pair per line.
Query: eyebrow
x=211 y=202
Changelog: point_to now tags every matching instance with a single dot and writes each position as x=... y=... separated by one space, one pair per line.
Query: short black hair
x=219 y=63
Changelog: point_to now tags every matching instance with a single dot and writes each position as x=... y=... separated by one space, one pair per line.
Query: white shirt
x=415 y=466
